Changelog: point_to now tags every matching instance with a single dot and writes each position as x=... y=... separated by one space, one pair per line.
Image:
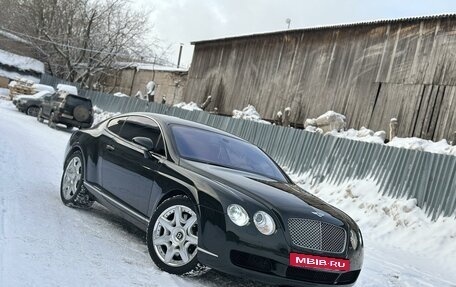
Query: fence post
x=393 y=128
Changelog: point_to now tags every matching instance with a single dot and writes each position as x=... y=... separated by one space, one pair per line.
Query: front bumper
x=244 y=252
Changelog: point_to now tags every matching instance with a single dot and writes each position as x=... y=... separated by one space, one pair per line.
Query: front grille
x=317 y=235
x=322 y=277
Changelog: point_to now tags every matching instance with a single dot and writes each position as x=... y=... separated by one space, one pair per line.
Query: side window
x=115 y=125
x=137 y=126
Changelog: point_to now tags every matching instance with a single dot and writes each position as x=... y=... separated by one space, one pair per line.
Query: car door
x=126 y=173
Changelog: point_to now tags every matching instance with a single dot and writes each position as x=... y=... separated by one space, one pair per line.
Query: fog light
x=238 y=215
x=264 y=223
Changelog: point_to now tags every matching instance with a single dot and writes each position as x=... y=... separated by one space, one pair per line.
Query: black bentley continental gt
x=207 y=197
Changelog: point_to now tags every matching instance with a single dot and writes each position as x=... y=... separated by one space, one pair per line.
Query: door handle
x=110 y=147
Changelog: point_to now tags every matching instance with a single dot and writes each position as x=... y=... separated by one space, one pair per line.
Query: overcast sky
x=184 y=21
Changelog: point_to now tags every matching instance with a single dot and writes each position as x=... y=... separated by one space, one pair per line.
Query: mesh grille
x=317 y=235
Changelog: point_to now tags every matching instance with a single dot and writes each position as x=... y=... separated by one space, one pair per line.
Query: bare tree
x=80 y=40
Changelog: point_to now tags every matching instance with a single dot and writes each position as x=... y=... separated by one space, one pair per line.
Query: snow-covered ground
x=44 y=243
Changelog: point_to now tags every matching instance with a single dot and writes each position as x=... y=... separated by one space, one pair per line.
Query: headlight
x=238 y=215
x=264 y=223
x=353 y=239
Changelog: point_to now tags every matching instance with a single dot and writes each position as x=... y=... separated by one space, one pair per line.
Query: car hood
x=286 y=199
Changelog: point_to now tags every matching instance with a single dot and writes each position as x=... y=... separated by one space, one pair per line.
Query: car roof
x=170 y=120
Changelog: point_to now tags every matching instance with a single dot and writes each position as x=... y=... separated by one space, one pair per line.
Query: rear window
x=76 y=101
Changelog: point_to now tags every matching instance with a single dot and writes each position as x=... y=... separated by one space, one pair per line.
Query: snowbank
x=121 y=95
x=398 y=222
x=249 y=113
x=21 y=62
x=441 y=147
x=190 y=106
x=364 y=134
x=327 y=122
x=99 y=115
x=4 y=92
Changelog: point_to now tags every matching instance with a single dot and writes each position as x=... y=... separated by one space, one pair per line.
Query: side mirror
x=147 y=143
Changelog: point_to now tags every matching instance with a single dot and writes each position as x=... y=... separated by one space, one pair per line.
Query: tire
x=163 y=231
x=51 y=123
x=39 y=117
x=32 y=111
x=81 y=113
x=72 y=190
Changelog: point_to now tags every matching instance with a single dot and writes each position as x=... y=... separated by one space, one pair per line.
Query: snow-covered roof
x=21 y=62
x=15 y=76
x=150 y=67
x=335 y=26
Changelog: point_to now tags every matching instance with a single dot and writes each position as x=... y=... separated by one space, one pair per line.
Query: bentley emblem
x=319 y=214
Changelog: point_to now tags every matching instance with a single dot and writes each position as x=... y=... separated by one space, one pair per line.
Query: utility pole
x=180 y=54
x=288 y=21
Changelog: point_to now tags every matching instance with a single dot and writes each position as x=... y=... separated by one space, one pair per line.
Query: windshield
x=218 y=149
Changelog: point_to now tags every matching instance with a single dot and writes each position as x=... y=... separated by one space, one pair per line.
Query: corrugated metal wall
x=430 y=178
x=368 y=72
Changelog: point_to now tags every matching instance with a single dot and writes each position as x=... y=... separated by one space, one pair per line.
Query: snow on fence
x=428 y=177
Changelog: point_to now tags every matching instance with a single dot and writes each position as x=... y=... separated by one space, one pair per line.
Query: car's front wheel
x=72 y=190
x=172 y=236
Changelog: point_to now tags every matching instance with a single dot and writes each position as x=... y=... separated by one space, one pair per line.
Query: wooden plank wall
x=370 y=73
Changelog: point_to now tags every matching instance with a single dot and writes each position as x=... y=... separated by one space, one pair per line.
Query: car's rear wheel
x=33 y=111
x=172 y=236
x=39 y=117
x=72 y=190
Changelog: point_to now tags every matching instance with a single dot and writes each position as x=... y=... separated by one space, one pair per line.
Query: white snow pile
x=249 y=113
x=20 y=62
x=100 y=115
x=190 y=106
x=364 y=134
x=397 y=222
x=4 y=93
x=441 y=147
x=327 y=122
x=67 y=88
x=121 y=95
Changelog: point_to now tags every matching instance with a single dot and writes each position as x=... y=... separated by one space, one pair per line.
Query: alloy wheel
x=71 y=178
x=175 y=237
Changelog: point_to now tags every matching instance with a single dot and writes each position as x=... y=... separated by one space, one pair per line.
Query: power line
x=15 y=33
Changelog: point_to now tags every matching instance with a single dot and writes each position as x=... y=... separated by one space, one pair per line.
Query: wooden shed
x=370 y=72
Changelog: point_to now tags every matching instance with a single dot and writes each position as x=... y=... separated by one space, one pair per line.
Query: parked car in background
x=36 y=88
x=31 y=104
x=205 y=196
x=66 y=108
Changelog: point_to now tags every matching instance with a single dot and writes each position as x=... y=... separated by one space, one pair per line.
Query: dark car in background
x=204 y=196
x=68 y=109
x=31 y=104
